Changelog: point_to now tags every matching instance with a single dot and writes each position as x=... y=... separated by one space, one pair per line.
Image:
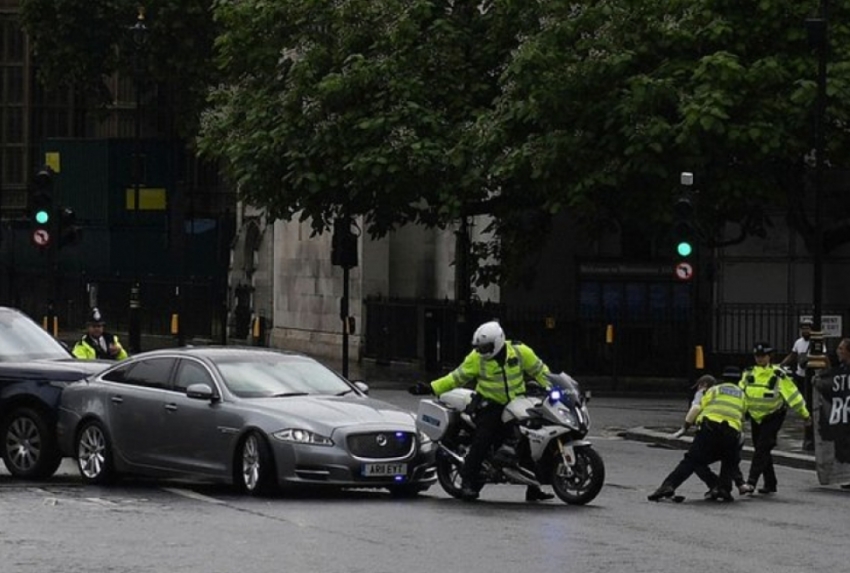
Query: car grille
x=381 y=445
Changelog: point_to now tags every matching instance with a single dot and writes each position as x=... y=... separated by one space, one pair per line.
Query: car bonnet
x=334 y=411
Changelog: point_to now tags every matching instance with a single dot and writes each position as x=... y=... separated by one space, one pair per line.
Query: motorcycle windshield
x=569 y=388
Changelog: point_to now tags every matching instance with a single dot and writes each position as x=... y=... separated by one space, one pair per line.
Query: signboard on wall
x=830 y=324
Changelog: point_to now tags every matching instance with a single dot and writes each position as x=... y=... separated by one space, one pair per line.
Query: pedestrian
x=720 y=419
x=499 y=368
x=769 y=395
x=96 y=343
x=799 y=359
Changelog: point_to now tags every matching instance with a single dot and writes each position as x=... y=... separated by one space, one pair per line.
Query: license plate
x=376 y=470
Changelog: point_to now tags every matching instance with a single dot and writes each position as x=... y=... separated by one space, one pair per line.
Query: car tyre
x=29 y=450
x=94 y=454
x=255 y=469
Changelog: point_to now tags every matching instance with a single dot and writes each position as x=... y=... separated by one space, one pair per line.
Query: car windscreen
x=22 y=340
x=268 y=376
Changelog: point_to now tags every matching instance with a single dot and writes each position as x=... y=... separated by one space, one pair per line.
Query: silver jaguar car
x=258 y=418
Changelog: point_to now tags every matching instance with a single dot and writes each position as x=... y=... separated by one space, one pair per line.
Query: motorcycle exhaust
x=518 y=475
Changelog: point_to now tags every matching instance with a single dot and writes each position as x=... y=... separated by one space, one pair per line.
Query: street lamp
x=139 y=34
x=818 y=38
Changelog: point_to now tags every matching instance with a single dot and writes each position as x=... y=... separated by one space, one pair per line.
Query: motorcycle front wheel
x=448 y=473
x=580 y=483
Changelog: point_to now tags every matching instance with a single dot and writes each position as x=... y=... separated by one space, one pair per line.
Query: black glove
x=420 y=389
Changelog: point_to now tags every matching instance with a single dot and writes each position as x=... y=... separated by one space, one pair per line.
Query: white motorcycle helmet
x=489 y=339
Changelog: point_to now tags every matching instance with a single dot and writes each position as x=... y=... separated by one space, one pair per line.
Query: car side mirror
x=362 y=386
x=200 y=392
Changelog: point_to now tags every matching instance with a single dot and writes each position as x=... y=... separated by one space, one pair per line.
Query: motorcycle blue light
x=399 y=478
x=554 y=396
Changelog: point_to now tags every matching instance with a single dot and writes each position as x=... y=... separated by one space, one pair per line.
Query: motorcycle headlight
x=570 y=417
x=298 y=436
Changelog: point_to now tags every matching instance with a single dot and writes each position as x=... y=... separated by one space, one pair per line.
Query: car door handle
x=171 y=407
x=117 y=400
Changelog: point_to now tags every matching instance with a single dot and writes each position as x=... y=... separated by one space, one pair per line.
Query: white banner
x=831 y=411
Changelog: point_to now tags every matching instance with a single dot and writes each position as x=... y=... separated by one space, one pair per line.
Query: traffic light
x=343 y=244
x=684 y=231
x=69 y=232
x=40 y=207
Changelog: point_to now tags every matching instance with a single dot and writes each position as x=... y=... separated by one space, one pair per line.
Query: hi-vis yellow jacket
x=768 y=390
x=724 y=403
x=500 y=385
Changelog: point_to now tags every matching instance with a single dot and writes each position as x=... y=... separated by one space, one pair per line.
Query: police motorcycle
x=546 y=441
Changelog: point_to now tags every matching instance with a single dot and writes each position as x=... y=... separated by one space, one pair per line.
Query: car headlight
x=298 y=436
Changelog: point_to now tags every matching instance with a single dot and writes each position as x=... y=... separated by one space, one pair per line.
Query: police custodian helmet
x=95 y=317
x=762 y=348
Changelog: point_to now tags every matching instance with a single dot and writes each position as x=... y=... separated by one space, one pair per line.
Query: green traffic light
x=684 y=249
x=42 y=217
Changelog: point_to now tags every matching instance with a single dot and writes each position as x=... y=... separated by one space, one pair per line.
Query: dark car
x=257 y=418
x=34 y=368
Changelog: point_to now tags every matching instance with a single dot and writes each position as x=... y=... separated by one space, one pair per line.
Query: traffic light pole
x=139 y=32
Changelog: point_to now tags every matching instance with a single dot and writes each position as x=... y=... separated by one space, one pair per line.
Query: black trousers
x=713 y=442
x=488 y=431
x=764 y=440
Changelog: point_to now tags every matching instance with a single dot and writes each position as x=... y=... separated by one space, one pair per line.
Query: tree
x=609 y=100
x=80 y=43
x=360 y=107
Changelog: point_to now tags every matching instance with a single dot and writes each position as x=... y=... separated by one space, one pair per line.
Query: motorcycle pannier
x=433 y=418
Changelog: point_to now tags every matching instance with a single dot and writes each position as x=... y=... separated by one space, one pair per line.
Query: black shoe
x=719 y=493
x=468 y=492
x=845 y=486
x=536 y=494
x=767 y=490
x=661 y=492
x=710 y=494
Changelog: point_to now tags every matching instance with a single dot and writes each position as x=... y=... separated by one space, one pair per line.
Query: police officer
x=96 y=343
x=720 y=420
x=498 y=368
x=770 y=392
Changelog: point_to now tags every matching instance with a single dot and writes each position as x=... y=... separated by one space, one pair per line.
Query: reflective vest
x=493 y=382
x=724 y=403
x=770 y=390
x=87 y=349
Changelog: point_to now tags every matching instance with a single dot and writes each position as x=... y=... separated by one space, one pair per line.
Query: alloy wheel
x=23 y=443
x=251 y=463
x=91 y=452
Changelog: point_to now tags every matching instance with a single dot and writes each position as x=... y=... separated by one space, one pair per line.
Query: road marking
x=101 y=501
x=193 y=495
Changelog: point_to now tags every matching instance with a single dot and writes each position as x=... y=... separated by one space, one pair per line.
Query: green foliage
x=428 y=110
x=364 y=106
x=610 y=99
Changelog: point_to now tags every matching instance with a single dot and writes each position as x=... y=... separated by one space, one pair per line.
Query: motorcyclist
x=499 y=368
